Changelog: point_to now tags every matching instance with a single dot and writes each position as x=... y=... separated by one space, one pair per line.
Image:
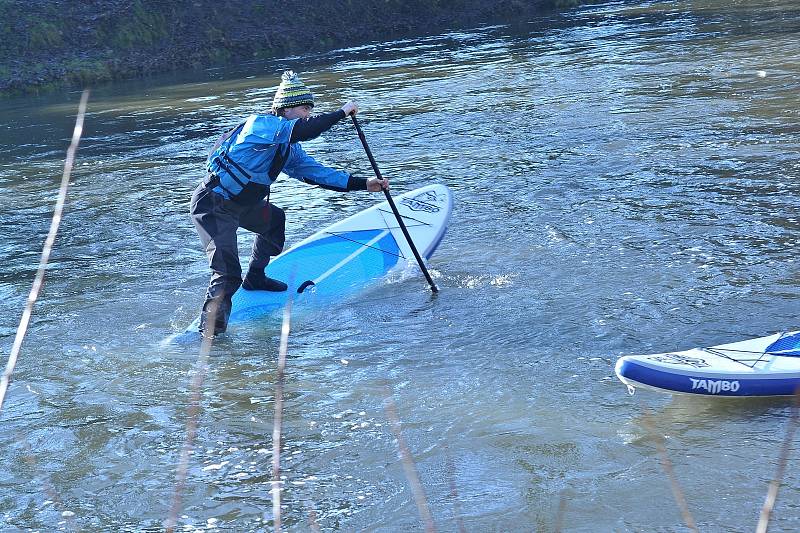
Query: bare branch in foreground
x=276 y=427
x=193 y=413
x=47 y=486
x=783 y=458
x=451 y=477
x=312 y=519
x=38 y=281
x=562 y=509
x=666 y=464
x=408 y=464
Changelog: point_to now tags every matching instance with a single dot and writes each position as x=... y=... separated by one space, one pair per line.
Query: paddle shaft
x=399 y=218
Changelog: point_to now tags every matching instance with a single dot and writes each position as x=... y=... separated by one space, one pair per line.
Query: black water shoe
x=260 y=282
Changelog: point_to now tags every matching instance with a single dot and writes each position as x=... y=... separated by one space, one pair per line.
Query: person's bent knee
x=278 y=216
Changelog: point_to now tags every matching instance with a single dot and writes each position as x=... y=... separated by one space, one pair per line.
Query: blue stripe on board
x=786 y=346
x=316 y=259
x=435 y=245
x=699 y=384
x=387 y=244
x=391 y=252
x=358 y=237
x=343 y=244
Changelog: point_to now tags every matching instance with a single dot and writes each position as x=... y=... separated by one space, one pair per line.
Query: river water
x=625 y=180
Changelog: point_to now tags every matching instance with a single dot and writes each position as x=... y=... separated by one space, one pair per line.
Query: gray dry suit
x=235 y=193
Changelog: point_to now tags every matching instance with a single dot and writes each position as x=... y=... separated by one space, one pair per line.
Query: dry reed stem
x=562 y=508
x=666 y=465
x=451 y=478
x=193 y=413
x=408 y=464
x=38 y=281
x=276 y=427
x=312 y=520
x=47 y=486
x=783 y=458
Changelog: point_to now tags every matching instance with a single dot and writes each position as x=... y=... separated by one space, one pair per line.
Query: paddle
x=394 y=207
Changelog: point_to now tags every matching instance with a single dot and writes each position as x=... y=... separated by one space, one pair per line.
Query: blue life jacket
x=248 y=159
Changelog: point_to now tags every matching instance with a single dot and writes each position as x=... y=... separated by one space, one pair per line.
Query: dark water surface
x=626 y=181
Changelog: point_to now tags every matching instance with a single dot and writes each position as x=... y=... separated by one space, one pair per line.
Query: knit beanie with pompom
x=291 y=92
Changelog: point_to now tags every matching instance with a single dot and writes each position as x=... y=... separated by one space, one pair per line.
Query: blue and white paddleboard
x=348 y=256
x=766 y=366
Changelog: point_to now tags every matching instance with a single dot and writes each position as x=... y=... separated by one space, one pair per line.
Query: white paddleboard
x=765 y=366
x=349 y=255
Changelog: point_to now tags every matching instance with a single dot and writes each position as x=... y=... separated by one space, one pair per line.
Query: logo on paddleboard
x=677 y=359
x=424 y=202
x=714 y=386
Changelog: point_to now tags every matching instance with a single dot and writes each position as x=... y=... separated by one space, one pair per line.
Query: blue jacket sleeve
x=303 y=167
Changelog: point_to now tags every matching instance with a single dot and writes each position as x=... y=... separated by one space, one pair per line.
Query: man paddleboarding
x=242 y=166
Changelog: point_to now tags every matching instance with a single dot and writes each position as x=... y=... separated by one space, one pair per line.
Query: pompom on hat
x=291 y=92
